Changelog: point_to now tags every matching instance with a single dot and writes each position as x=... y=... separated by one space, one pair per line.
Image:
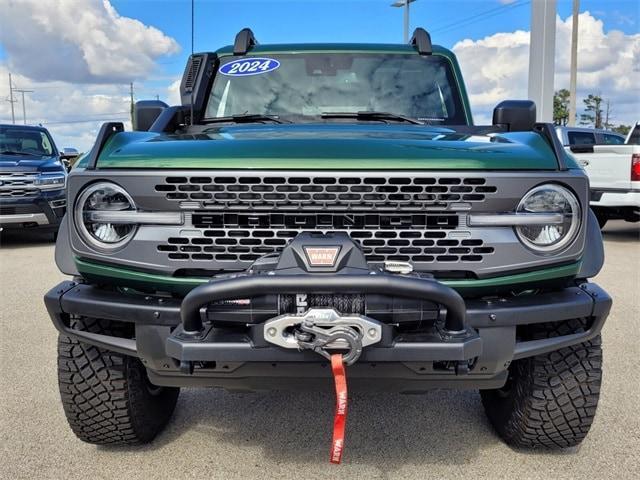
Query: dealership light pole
x=541 y=57
x=405 y=4
x=574 y=64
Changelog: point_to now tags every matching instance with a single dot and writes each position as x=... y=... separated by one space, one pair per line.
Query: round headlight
x=103 y=197
x=550 y=199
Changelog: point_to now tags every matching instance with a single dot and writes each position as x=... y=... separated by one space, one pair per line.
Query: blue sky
x=217 y=21
x=80 y=55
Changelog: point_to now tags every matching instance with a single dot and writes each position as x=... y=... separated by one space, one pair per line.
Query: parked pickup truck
x=32 y=179
x=306 y=201
x=614 y=175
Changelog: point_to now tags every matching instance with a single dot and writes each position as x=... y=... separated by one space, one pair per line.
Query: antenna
x=192 y=41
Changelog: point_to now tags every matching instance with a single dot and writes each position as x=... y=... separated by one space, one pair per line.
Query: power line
x=480 y=16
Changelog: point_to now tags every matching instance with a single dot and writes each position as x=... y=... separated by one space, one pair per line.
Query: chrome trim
x=78 y=217
x=132 y=217
x=574 y=228
x=514 y=219
x=39 y=218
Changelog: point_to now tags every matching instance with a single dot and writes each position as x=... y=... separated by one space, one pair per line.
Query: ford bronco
x=312 y=200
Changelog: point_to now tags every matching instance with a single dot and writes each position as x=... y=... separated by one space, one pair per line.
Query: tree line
x=598 y=112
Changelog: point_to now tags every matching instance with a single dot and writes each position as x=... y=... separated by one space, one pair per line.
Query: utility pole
x=541 y=57
x=574 y=64
x=11 y=101
x=405 y=4
x=131 y=95
x=24 y=110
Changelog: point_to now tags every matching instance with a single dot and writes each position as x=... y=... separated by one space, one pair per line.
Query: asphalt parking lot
x=215 y=434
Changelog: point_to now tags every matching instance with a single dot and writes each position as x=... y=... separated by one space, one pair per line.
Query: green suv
x=308 y=200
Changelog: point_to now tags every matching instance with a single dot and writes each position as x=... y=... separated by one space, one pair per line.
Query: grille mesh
x=227 y=245
x=325 y=193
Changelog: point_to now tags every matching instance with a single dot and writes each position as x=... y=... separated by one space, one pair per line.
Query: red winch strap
x=340 y=418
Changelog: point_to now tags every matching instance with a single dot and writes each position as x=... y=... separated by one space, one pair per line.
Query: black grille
x=247 y=245
x=325 y=193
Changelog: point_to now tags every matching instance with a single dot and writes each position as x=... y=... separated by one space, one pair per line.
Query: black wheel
x=107 y=396
x=549 y=400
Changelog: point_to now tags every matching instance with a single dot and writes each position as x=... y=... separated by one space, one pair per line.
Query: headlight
x=56 y=181
x=550 y=199
x=101 y=234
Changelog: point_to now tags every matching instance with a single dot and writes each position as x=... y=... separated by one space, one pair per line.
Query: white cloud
x=78 y=56
x=495 y=68
x=79 y=41
x=173 y=92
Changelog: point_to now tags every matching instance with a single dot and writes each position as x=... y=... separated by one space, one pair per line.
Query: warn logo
x=321 y=256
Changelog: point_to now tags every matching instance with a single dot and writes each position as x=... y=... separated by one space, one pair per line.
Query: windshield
x=301 y=87
x=25 y=141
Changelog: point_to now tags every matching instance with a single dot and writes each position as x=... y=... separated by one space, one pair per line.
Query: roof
x=566 y=128
x=23 y=127
x=333 y=47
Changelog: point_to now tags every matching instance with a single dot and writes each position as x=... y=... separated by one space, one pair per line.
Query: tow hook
x=311 y=337
x=324 y=331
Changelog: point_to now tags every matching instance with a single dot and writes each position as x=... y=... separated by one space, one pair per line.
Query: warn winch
x=288 y=305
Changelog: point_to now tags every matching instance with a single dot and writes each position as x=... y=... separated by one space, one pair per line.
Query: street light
x=405 y=4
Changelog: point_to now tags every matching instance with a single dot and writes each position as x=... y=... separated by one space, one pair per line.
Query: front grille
x=18 y=185
x=325 y=193
x=379 y=245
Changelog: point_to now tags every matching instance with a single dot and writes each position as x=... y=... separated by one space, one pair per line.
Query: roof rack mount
x=245 y=39
x=421 y=40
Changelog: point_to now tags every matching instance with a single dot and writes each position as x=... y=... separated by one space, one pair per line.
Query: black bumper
x=227 y=358
x=45 y=211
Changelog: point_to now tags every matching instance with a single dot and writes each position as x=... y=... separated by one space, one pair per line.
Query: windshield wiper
x=247 y=118
x=371 y=115
x=11 y=152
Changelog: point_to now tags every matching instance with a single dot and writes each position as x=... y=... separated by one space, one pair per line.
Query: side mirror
x=515 y=115
x=68 y=156
x=145 y=112
x=69 y=153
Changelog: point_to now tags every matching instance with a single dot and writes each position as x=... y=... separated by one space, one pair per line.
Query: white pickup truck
x=614 y=175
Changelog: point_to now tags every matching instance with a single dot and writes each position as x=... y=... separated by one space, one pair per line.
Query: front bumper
x=44 y=211
x=477 y=357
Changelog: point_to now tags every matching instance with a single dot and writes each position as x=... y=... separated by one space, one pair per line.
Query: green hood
x=329 y=146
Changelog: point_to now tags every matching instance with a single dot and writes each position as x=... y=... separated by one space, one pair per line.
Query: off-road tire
x=107 y=396
x=549 y=400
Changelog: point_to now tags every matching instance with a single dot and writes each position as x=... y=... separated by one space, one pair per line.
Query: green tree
x=622 y=129
x=592 y=111
x=561 y=107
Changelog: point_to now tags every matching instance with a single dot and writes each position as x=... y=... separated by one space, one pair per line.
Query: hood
x=32 y=163
x=329 y=146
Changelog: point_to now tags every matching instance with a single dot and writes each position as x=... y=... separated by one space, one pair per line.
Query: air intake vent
x=192 y=72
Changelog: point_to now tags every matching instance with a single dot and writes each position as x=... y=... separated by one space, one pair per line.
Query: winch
x=323 y=330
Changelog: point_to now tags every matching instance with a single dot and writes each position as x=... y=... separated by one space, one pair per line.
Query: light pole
x=574 y=64
x=405 y=4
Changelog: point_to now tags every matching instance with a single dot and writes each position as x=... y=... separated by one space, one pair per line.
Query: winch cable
x=340 y=417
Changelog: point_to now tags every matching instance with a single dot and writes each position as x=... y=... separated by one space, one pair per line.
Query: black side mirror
x=145 y=112
x=515 y=115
